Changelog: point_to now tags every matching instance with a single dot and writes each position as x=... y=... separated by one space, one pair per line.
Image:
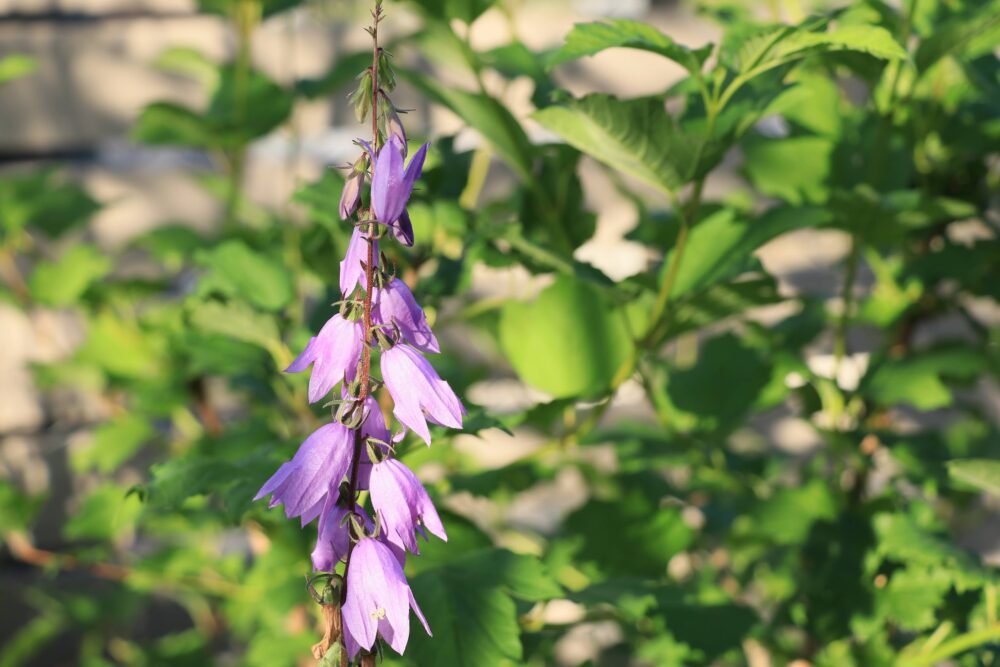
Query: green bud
x=361 y=98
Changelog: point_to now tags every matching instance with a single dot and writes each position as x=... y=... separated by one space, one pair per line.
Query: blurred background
x=170 y=236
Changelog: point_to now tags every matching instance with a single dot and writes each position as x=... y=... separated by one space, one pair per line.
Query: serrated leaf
x=919 y=380
x=984 y=474
x=586 y=39
x=112 y=443
x=238 y=270
x=235 y=320
x=63 y=282
x=106 y=512
x=634 y=136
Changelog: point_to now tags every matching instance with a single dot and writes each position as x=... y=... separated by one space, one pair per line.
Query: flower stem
x=365 y=374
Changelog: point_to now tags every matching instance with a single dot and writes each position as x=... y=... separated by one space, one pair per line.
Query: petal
x=396 y=304
x=305 y=358
x=351 y=268
x=402 y=229
x=405 y=386
x=414 y=168
x=389 y=193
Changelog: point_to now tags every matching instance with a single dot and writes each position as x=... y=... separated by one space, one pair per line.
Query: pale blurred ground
x=97 y=72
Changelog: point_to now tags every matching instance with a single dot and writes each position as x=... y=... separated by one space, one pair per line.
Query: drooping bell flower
x=316 y=470
x=373 y=426
x=379 y=599
x=352 y=269
x=402 y=504
x=392 y=185
x=334 y=354
x=419 y=393
x=394 y=304
x=333 y=540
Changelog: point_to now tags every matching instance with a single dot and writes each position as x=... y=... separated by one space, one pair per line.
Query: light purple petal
x=336 y=351
x=352 y=270
x=315 y=471
x=388 y=190
x=395 y=304
x=304 y=359
x=418 y=391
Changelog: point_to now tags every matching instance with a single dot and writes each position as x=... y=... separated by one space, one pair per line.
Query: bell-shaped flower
x=392 y=185
x=374 y=426
x=379 y=599
x=419 y=394
x=402 y=504
x=315 y=471
x=394 y=304
x=352 y=269
x=333 y=540
x=334 y=354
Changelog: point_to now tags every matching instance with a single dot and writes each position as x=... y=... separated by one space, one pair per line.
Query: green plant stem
x=947 y=649
x=847 y=299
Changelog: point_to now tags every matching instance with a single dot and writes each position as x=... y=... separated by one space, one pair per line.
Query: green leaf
x=470 y=607
x=978 y=32
x=238 y=270
x=636 y=137
x=16 y=66
x=776 y=46
x=235 y=320
x=45 y=201
x=917 y=380
x=787 y=516
x=567 y=342
x=463 y=10
x=796 y=169
x=120 y=348
x=984 y=474
x=63 y=282
x=912 y=596
x=698 y=389
x=17 y=509
x=630 y=535
x=168 y=124
x=721 y=246
x=107 y=512
x=586 y=39
x=484 y=114
x=112 y=444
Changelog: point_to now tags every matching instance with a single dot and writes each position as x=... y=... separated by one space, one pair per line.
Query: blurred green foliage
x=702 y=543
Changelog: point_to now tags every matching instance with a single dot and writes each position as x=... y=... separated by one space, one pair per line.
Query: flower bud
x=351 y=195
x=395 y=129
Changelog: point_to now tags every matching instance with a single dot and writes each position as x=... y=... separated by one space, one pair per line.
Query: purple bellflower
x=316 y=470
x=420 y=395
x=379 y=599
x=333 y=541
x=352 y=269
x=392 y=185
x=402 y=504
x=323 y=479
x=334 y=354
x=394 y=304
